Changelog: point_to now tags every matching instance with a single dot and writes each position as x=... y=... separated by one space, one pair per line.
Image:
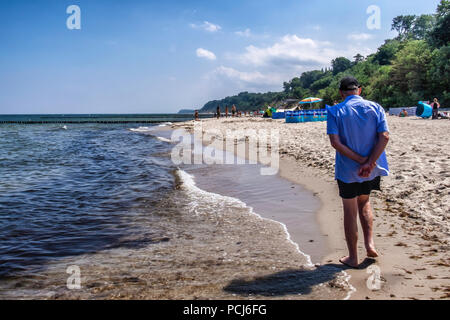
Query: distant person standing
x=226 y=111
x=233 y=111
x=359 y=132
x=196 y=116
x=218 y=112
x=435 y=105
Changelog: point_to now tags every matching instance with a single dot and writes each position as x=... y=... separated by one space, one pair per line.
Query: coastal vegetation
x=411 y=67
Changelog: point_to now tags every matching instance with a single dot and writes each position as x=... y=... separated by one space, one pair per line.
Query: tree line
x=413 y=66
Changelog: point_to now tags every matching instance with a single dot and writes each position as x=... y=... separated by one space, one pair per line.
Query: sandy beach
x=412 y=211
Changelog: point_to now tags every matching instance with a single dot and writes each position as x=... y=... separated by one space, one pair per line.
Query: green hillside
x=411 y=67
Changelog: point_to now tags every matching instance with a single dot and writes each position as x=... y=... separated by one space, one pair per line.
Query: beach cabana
x=306 y=116
x=286 y=105
x=309 y=115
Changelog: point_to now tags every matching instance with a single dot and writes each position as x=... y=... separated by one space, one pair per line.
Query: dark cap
x=349 y=84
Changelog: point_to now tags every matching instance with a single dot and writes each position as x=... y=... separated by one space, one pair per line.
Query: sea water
x=106 y=199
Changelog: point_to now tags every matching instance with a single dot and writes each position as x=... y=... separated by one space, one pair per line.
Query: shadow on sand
x=290 y=282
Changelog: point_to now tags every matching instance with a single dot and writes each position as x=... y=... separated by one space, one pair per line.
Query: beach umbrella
x=310 y=100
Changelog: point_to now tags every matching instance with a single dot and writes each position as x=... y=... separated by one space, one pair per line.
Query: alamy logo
x=230 y=147
x=374 y=280
x=74 y=280
x=74 y=20
x=374 y=20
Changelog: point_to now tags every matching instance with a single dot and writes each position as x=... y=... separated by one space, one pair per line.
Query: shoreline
x=403 y=274
x=317 y=188
x=288 y=195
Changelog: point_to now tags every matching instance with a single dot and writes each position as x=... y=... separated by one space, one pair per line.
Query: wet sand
x=411 y=213
x=271 y=197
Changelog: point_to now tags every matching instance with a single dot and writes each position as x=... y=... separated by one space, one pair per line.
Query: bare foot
x=372 y=253
x=352 y=263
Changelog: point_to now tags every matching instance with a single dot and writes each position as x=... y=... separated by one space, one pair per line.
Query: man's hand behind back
x=366 y=169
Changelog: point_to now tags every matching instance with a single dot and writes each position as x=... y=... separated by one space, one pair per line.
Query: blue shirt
x=357 y=122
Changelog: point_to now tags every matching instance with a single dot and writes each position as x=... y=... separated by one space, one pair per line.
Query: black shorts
x=353 y=190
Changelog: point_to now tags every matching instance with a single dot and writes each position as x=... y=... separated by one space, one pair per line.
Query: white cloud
x=246 y=33
x=265 y=68
x=229 y=81
x=203 y=53
x=206 y=26
x=359 y=36
x=253 y=77
x=291 y=50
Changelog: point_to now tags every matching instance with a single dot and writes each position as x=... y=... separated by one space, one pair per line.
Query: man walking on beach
x=358 y=131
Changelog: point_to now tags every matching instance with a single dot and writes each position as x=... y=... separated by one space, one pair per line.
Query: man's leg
x=366 y=218
x=351 y=231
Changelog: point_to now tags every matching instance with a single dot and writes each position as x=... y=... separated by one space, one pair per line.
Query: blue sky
x=141 y=56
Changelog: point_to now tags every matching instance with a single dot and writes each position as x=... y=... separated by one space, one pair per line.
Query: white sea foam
x=164 y=139
x=141 y=129
x=352 y=288
x=148 y=131
x=199 y=196
x=188 y=183
x=164 y=124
